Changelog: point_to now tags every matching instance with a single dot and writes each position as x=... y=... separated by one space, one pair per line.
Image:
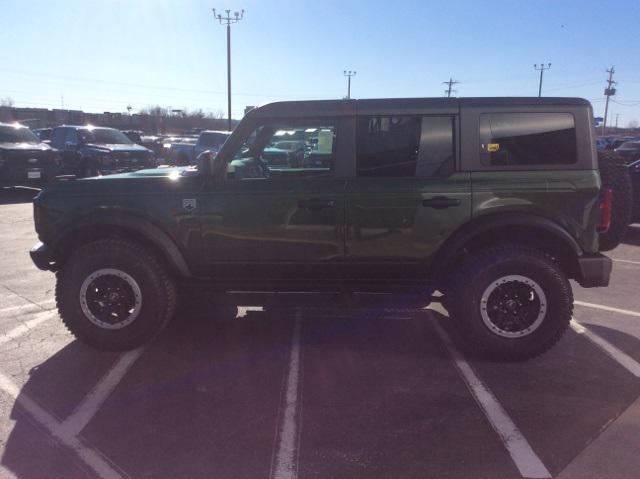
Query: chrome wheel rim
x=110 y=298
x=513 y=306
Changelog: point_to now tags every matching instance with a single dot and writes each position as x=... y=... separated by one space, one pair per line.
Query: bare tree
x=633 y=124
x=6 y=102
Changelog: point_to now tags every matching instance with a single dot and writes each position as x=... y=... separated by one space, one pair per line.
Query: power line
x=541 y=69
x=609 y=91
x=451 y=82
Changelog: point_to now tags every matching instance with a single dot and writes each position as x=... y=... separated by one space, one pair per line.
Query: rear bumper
x=594 y=270
x=42 y=257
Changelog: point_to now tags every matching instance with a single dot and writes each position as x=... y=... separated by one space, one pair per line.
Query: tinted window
x=105 y=136
x=521 y=139
x=212 y=139
x=71 y=137
x=405 y=146
x=387 y=146
x=57 y=137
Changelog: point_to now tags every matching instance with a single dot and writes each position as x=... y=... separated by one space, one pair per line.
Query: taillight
x=605 y=206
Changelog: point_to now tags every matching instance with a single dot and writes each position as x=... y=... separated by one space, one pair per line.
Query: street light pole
x=542 y=69
x=228 y=20
x=349 y=74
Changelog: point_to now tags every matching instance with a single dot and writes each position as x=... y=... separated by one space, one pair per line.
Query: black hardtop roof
x=348 y=106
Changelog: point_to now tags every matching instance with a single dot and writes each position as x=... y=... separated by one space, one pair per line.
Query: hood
x=117 y=147
x=25 y=146
x=132 y=183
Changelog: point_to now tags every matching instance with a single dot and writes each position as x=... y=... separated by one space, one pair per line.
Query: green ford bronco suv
x=495 y=203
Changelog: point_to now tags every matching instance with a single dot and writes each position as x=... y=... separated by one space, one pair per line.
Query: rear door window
x=405 y=146
x=527 y=139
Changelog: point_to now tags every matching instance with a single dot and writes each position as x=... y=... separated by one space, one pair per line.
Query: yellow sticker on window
x=493 y=147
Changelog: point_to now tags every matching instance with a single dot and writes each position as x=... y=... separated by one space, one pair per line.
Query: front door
x=278 y=216
x=406 y=198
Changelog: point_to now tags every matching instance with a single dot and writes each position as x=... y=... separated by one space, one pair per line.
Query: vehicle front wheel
x=113 y=294
x=511 y=302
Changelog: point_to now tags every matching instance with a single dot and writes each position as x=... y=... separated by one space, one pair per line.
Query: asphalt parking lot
x=313 y=393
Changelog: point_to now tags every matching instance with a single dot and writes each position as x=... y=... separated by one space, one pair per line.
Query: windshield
x=17 y=134
x=104 y=136
x=213 y=139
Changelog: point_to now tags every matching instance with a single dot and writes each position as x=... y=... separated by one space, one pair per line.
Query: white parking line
x=620 y=357
x=286 y=465
x=99 y=394
x=628 y=312
x=93 y=459
x=625 y=261
x=523 y=456
x=26 y=326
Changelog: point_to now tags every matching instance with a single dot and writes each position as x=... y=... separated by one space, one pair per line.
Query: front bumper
x=594 y=270
x=42 y=257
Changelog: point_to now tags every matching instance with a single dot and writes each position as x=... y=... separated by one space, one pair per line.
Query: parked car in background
x=617 y=142
x=134 y=135
x=629 y=151
x=92 y=151
x=44 y=134
x=24 y=158
x=185 y=152
x=602 y=144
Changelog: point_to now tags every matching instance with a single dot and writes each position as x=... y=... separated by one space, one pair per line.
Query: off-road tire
x=472 y=279
x=615 y=175
x=158 y=293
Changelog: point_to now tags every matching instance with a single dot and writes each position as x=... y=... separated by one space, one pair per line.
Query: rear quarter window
x=527 y=139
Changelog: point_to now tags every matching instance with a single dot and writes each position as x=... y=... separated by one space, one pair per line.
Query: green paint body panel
x=568 y=198
x=391 y=236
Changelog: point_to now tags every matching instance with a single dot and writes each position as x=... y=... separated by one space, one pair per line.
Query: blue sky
x=104 y=55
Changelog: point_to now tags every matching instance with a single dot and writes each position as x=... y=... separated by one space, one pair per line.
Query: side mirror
x=204 y=161
x=210 y=165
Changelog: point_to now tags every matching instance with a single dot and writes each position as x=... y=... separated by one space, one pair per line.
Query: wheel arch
x=106 y=225
x=535 y=231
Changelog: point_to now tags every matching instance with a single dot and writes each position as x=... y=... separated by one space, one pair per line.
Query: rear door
x=407 y=196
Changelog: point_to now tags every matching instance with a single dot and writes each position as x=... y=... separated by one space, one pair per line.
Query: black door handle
x=441 y=202
x=315 y=204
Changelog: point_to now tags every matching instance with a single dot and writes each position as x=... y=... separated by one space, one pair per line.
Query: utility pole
x=349 y=74
x=617 y=116
x=449 y=91
x=228 y=20
x=608 y=92
x=542 y=68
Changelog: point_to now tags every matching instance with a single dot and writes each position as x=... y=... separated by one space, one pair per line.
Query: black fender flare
x=483 y=224
x=140 y=226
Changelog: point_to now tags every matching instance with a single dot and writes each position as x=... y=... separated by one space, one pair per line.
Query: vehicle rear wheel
x=511 y=302
x=113 y=294
x=615 y=175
